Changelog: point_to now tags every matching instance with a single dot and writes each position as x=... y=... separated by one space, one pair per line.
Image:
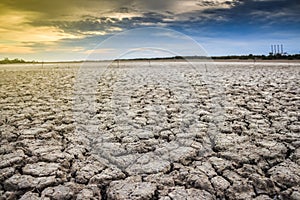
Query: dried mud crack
x=162 y=132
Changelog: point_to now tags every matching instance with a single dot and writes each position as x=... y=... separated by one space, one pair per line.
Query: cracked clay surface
x=166 y=131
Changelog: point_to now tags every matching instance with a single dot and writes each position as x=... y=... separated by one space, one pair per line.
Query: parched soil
x=141 y=130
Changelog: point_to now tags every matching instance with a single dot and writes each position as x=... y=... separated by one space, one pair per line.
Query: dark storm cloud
x=89 y=24
x=267 y=11
x=108 y=24
x=245 y=18
x=78 y=16
x=55 y=9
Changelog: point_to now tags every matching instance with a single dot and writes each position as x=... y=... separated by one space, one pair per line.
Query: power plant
x=276 y=49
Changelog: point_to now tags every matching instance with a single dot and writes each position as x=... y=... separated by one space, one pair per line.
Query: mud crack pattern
x=156 y=135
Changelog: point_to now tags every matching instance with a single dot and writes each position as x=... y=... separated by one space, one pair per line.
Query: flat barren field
x=150 y=130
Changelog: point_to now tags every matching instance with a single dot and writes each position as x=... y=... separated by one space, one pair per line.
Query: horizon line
x=226 y=57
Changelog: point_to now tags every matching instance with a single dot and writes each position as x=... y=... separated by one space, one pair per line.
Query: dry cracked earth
x=158 y=130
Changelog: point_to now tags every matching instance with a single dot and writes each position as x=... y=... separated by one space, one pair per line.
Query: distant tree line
x=232 y=57
x=261 y=57
x=16 y=60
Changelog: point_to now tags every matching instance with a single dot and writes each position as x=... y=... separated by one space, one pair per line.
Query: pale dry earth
x=160 y=130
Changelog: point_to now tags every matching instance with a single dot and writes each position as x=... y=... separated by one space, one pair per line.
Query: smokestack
x=278 y=51
x=282 y=49
x=272 y=48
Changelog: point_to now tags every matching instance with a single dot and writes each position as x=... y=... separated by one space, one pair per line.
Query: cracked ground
x=160 y=130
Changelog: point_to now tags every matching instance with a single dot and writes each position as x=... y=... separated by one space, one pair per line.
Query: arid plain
x=150 y=130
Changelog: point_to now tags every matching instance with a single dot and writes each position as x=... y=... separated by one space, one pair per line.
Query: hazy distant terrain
x=150 y=130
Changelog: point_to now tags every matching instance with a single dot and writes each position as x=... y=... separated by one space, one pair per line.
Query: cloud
x=181 y=7
x=16 y=28
x=64 y=10
x=30 y=26
x=267 y=11
x=34 y=34
x=15 y=49
x=56 y=20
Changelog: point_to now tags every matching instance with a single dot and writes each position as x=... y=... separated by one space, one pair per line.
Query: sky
x=61 y=30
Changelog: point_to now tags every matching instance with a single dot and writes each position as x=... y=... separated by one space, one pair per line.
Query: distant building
x=277 y=49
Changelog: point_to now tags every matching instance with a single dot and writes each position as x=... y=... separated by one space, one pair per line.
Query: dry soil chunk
x=131 y=190
x=240 y=190
x=190 y=194
x=59 y=192
x=220 y=184
x=295 y=195
x=107 y=175
x=30 y=196
x=87 y=172
x=17 y=182
x=41 y=169
x=85 y=194
x=286 y=174
x=8 y=160
x=262 y=197
x=147 y=164
x=5 y=173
